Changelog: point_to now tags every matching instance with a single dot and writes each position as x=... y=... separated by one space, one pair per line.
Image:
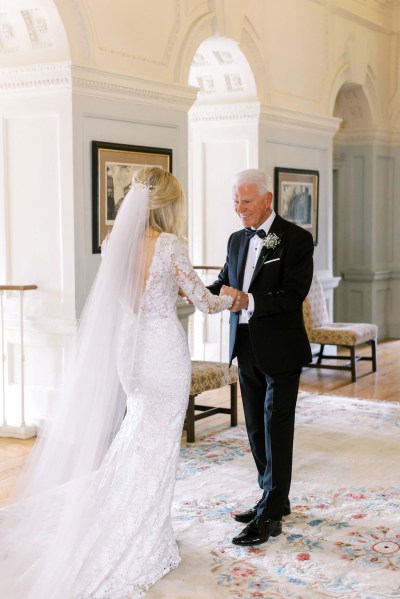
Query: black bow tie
x=251 y=232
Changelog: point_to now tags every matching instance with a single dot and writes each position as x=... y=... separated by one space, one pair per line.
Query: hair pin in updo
x=139 y=184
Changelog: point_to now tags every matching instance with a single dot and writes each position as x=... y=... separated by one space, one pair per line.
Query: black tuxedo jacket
x=281 y=280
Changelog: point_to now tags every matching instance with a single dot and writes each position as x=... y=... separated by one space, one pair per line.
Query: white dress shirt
x=255 y=245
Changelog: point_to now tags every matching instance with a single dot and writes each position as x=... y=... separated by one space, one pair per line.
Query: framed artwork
x=297 y=197
x=113 y=166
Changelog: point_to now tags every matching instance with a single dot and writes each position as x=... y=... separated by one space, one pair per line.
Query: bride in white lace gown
x=105 y=532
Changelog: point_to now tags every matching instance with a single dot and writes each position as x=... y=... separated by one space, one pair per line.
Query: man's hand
x=240 y=299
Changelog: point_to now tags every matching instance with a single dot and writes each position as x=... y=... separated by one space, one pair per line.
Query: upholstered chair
x=207 y=376
x=342 y=334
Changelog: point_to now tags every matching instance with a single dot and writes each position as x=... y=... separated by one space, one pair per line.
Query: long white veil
x=43 y=527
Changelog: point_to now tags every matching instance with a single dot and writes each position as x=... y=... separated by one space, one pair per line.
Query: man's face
x=251 y=207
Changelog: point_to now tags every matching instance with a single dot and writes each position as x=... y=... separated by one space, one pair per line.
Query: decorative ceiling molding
x=31 y=32
x=17 y=27
x=95 y=82
x=37 y=27
x=213 y=113
x=300 y=120
x=8 y=41
x=35 y=78
x=376 y=15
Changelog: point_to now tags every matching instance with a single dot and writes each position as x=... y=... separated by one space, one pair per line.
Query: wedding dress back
x=93 y=521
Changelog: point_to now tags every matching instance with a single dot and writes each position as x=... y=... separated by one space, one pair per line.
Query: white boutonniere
x=271 y=241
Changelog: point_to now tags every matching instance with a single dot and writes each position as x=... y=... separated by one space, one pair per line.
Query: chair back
x=315 y=312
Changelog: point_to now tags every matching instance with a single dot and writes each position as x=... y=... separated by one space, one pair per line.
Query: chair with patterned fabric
x=207 y=376
x=343 y=334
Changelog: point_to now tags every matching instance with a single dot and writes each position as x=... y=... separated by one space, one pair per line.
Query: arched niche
x=356 y=118
x=222 y=73
x=363 y=195
x=358 y=100
x=353 y=108
x=223 y=134
x=202 y=31
x=223 y=140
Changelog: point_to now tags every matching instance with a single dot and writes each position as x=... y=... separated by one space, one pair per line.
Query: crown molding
x=367 y=137
x=95 y=82
x=300 y=120
x=226 y=112
x=35 y=78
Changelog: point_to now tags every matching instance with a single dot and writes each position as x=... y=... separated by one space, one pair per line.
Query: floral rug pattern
x=212 y=451
x=342 y=539
x=325 y=547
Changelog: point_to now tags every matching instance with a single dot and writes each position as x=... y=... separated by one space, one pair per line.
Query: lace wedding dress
x=132 y=544
x=126 y=542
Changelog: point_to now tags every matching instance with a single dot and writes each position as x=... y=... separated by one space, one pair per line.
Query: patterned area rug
x=342 y=539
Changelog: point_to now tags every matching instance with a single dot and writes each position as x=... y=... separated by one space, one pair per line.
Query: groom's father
x=270 y=263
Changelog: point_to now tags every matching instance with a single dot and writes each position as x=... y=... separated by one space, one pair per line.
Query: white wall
x=36 y=236
x=118 y=120
x=305 y=142
x=223 y=141
x=368 y=254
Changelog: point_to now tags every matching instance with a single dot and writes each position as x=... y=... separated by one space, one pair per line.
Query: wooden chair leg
x=189 y=425
x=320 y=354
x=353 y=364
x=373 y=352
x=234 y=419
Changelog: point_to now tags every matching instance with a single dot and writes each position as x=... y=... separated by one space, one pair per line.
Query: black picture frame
x=296 y=197
x=113 y=165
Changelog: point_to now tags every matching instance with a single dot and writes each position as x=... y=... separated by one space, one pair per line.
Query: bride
x=91 y=518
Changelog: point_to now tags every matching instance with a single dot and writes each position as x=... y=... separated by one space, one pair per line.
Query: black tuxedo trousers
x=269 y=403
x=271 y=350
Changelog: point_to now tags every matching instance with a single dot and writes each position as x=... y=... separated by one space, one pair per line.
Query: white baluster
x=22 y=431
x=3 y=360
x=22 y=356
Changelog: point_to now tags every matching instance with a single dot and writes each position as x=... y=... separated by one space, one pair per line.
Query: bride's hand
x=226 y=290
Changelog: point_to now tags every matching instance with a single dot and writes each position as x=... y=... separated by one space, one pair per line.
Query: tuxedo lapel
x=241 y=262
x=265 y=253
x=261 y=258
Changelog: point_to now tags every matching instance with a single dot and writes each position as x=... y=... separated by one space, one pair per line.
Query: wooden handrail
x=17 y=287
x=208 y=267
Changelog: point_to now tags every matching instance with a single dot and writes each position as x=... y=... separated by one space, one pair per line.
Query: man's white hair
x=255 y=176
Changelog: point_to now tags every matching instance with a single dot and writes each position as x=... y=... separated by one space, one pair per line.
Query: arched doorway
x=363 y=205
x=223 y=139
x=352 y=107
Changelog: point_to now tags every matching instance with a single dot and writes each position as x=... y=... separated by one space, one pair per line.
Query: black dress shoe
x=250 y=514
x=258 y=531
x=247 y=516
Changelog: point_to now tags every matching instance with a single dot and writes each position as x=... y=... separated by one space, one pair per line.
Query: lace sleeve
x=192 y=285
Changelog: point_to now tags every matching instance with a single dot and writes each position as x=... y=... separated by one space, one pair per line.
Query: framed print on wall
x=297 y=197
x=113 y=166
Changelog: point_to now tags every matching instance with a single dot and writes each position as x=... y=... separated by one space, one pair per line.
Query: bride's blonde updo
x=167 y=200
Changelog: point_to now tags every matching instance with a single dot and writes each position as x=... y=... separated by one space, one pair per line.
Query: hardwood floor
x=13 y=455
x=382 y=385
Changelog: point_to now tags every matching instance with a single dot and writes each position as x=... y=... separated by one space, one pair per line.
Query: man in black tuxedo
x=270 y=264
